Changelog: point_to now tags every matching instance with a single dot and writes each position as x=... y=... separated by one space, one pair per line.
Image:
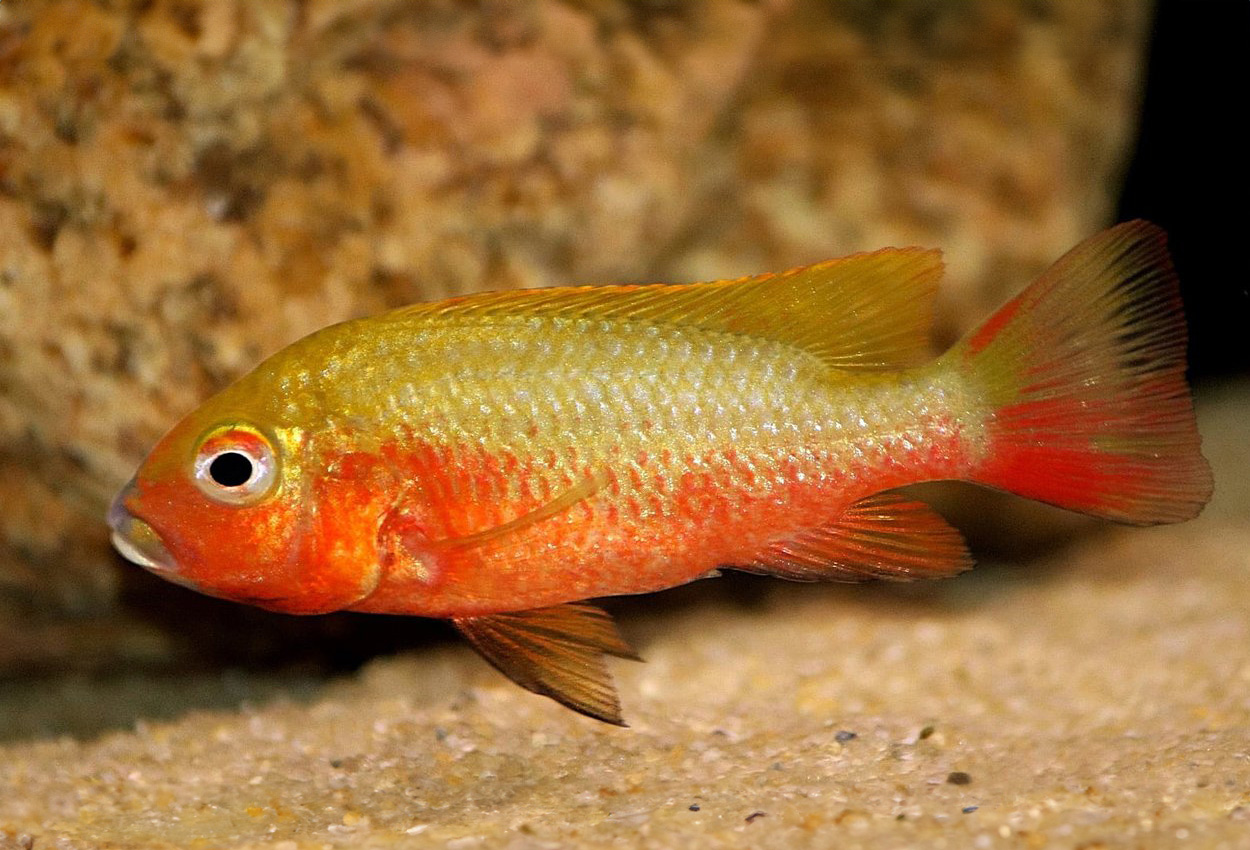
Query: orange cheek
x=343 y=542
x=249 y=554
x=276 y=555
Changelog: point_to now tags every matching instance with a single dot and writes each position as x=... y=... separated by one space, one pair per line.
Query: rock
x=185 y=187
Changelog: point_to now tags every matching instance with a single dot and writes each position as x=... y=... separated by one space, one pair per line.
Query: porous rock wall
x=186 y=186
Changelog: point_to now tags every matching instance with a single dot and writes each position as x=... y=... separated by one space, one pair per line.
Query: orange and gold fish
x=497 y=459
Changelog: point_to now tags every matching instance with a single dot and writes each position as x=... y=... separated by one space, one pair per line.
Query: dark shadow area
x=1190 y=172
x=214 y=655
x=214 y=633
x=86 y=705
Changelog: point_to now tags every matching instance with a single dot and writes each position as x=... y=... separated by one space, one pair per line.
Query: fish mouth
x=137 y=541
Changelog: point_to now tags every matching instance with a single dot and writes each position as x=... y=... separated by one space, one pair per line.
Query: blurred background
x=187 y=186
x=1188 y=171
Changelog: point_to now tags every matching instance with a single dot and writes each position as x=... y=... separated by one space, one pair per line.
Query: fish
x=499 y=460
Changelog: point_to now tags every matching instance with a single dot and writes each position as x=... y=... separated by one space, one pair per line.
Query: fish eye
x=231 y=469
x=236 y=465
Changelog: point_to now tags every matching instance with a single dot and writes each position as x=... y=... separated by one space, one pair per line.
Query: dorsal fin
x=557 y=652
x=886 y=535
x=866 y=311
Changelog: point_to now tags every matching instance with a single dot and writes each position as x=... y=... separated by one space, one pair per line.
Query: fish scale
x=790 y=440
x=685 y=404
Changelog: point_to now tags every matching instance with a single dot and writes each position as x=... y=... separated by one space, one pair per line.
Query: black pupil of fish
x=231 y=469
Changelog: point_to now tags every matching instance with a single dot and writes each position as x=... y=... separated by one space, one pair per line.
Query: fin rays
x=866 y=311
x=886 y=535
x=1086 y=372
x=561 y=503
x=557 y=652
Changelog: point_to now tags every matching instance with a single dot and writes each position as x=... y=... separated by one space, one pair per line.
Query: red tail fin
x=1085 y=372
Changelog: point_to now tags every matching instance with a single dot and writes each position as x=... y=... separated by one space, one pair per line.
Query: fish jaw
x=137 y=542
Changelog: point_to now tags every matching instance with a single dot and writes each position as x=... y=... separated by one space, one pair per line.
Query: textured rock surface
x=186 y=186
x=1097 y=697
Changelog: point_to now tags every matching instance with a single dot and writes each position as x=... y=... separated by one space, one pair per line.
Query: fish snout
x=137 y=541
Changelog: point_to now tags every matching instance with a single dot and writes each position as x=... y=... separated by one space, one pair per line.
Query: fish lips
x=137 y=541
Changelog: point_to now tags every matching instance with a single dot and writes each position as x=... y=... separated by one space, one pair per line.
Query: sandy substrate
x=1098 y=696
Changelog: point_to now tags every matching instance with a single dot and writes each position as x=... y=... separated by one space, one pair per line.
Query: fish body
x=692 y=450
x=497 y=459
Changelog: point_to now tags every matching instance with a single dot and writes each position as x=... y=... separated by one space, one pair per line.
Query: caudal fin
x=1085 y=373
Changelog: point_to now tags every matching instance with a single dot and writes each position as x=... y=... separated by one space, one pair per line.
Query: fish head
x=226 y=504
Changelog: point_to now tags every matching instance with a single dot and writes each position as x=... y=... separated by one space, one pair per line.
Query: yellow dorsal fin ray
x=866 y=311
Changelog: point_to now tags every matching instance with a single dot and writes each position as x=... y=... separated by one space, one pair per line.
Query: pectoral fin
x=406 y=549
x=557 y=652
x=561 y=503
x=886 y=535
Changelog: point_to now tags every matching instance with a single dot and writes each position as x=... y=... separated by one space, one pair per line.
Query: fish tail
x=1084 y=375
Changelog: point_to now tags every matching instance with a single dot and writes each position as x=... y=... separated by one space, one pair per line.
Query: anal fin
x=886 y=535
x=557 y=652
